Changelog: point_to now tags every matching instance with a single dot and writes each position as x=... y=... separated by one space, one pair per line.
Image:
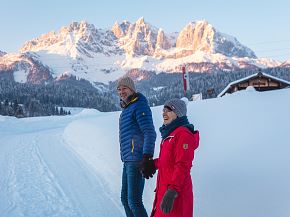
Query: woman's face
x=168 y=115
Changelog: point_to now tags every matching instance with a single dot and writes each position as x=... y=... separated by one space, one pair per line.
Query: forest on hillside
x=28 y=100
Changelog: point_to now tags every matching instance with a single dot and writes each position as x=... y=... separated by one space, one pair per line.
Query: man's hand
x=147 y=166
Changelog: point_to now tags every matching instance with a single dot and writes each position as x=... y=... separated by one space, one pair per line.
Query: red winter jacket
x=174 y=164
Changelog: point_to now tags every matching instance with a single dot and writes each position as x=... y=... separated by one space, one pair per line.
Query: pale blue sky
x=262 y=25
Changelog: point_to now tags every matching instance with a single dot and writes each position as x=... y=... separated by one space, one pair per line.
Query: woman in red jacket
x=174 y=196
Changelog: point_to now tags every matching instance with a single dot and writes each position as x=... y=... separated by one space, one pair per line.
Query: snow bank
x=87 y=112
x=2 y=118
x=239 y=168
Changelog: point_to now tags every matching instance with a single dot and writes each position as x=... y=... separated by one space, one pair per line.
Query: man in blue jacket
x=137 y=141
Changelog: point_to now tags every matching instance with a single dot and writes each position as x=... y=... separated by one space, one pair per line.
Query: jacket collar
x=166 y=130
x=130 y=100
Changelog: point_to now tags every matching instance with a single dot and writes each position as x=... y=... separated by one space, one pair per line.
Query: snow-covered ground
x=70 y=166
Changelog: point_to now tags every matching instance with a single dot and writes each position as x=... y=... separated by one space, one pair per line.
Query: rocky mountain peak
x=66 y=36
x=162 y=40
x=197 y=36
x=120 y=30
x=139 y=38
x=74 y=39
x=141 y=27
x=141 y=21
x=78 y=28
x=202 y=36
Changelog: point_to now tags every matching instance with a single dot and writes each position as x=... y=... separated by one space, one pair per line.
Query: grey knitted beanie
x=128 y=82
x=178 y=106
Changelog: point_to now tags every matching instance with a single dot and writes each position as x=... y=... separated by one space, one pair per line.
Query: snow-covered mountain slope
x=70 y=166
x=99 y=55
x=81 y=50
x=26 y=67
x=2 y=53
x=286 y=64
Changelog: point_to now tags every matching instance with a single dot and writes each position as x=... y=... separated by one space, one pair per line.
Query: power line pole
x=185 y=78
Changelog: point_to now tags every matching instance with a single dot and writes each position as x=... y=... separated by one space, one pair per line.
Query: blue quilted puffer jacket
x=136 y=131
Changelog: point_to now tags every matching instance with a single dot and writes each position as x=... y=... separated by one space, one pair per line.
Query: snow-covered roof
x=252 y=76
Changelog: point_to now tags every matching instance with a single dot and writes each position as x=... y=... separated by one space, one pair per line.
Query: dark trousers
x=132 y=190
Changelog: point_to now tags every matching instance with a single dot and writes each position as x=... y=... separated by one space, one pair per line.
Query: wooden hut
x=260 y=81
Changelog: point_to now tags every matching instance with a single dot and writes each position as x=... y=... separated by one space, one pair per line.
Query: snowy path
x=41 y=176
x=32 y=190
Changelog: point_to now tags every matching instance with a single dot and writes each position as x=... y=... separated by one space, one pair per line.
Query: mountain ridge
x=103 y=55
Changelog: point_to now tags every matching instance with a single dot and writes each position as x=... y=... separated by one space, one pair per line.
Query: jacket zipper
x=133 y=146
